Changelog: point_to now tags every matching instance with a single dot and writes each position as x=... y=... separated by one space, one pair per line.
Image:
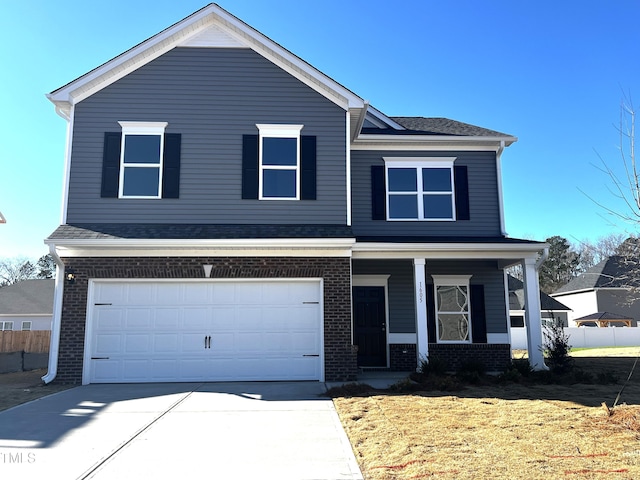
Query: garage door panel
x=196 y=318
x=137 y=343
x=107 y=344
x=192 y=342
x=158 y=331
x=222 y=318
x=169 y=293
x=167 y=318
x=137 y=318
x=166 y=343
x=141 y=294
x=108 y=318
x=197 y=294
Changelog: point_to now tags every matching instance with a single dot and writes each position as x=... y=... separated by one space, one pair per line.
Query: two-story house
x=232 y=213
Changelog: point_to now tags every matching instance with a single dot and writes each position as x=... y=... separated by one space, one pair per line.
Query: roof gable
x=209 y=27
x=27 y=297
x=614 y=272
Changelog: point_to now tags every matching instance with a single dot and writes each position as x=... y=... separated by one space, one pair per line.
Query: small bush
x=433 y=366
x=556 y=348
x=472 y=371
x=523 y=366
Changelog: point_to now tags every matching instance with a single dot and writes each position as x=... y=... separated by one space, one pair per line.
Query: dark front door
x=370 y=326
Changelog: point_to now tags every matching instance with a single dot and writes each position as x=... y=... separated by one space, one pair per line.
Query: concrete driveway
x=256 y=430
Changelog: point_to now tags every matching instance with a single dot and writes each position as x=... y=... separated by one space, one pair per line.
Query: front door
x=370 y=326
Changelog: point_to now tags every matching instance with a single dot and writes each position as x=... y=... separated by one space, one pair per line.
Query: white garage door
x=203 y=331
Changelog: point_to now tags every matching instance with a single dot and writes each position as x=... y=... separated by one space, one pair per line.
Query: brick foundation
x=340 y=354
x=494 y=356
x=403 y=357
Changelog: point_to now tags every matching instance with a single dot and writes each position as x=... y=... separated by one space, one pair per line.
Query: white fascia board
x=468 y=251
x=227 y=247
x=432 y=142
x=181 y=32
x=382 y=118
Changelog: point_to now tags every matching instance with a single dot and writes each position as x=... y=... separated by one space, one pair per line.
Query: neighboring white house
x=27 y=305
x=602 y=288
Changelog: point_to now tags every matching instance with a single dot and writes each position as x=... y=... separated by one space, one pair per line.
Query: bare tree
x=16 y=270
x=593 y=252
x=624 y=187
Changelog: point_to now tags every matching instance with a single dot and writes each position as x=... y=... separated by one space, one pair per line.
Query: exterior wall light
x=70 y=275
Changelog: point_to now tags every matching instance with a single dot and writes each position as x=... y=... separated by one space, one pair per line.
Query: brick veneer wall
x=340 y=354
x=494 y=356
x=403 y=357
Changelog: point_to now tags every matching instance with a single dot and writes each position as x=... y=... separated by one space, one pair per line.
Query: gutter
x=54 y=346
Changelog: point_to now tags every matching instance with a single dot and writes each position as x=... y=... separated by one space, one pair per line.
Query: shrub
x=433 y=366
x=556 y=348
x=472 y=371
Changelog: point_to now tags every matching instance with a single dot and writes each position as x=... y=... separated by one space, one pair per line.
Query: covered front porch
x=416 y=300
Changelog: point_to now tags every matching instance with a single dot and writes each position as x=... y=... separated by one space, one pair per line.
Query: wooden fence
x=35 y=341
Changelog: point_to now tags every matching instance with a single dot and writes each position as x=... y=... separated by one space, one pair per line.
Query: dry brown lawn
x=21 y=387
x=510 y=431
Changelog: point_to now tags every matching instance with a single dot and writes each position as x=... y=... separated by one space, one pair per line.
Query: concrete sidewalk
x=283 y=430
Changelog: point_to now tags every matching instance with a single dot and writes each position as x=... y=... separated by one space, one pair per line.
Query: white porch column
x=532 y=315
x=421 y=308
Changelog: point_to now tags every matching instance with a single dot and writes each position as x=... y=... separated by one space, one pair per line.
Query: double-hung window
x=453 y=314
x=141 y=157
x=420 y=188
x=279 y=162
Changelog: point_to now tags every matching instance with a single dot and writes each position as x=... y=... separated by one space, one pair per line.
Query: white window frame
x=453 y=281
x=420 y=163
x=6 y=326
x=26 y=323
x=141 y=128
x=278 y=131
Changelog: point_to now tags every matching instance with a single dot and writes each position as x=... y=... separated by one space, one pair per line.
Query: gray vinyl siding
x=402 y=317
x=402 y=310
x=484 y=273
x=212 y=97
x=483 y=197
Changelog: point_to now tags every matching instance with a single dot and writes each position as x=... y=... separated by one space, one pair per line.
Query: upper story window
x=453 y=312
x=420 y=188
x=279 y=162
x=26 y=326
x=141 y=156
x=6 y=325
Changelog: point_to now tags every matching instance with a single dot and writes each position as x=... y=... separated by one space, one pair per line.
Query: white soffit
x=211 y=27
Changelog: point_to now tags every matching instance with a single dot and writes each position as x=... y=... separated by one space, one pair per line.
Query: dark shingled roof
x=516 y=298
x=604 y=316
x=27 y=297
x=196 y=232
x=614 y=272
x=434 y=126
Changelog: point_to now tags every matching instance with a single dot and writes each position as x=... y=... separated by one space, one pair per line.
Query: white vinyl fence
x=586 y=337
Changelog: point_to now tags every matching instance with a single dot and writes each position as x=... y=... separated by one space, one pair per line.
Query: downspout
x=54 y=345
x=500 y=196
x=543 y=257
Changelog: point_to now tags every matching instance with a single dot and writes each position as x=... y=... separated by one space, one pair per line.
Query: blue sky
x=551 y=73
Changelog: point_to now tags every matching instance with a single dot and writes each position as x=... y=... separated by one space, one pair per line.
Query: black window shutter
x=308 y=167
x=111 y=164
x=171 y=166
x=250 y=167
x=378 y=193
x=461 y=181
x=431 y=313
x=478 y=315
